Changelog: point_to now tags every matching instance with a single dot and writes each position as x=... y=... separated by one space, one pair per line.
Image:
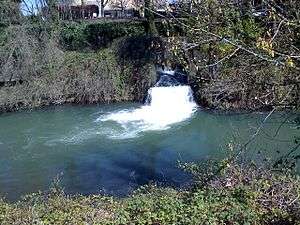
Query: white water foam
x=168 y=105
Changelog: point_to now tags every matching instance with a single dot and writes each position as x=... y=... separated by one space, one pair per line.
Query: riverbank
x=234 y=196
x=80 y=63
x=80 y=78
x=92 y=63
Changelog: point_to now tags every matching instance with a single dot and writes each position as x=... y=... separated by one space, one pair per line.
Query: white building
x=96 y=8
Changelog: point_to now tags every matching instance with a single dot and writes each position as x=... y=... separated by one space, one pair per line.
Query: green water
x=95 y=156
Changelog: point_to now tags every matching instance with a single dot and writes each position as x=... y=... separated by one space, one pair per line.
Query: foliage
x=167 y=206
x=271 y=191
x=9 y=13
x=73 y=36
x=20 y=55
x=30 y=77
x=56 y=209
x=166 y=28
x=78 y=78
x=92 y=36
x=150 y=19
x=77 y=36
x=240 y=55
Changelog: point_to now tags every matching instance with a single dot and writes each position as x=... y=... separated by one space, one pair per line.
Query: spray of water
x=166 y=106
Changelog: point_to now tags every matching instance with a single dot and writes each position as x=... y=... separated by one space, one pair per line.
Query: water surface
x=95 y=154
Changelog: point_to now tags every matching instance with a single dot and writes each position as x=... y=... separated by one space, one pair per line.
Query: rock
x=167 y=78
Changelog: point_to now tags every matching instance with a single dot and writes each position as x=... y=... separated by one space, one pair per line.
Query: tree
x=139 y=6
x=121 y=5
x=102 y=4
x=241 y=57
x=45 y=9
x=149 y=15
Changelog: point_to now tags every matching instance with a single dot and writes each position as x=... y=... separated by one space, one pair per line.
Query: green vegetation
x=237 y=194
x=9 y=13
x=73 y=67
x=236 y=60
x=79 y=36
x=79 y=78
x=45 y=61
x=241 y=55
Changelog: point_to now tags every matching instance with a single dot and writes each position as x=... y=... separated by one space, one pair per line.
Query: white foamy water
x=168 y=105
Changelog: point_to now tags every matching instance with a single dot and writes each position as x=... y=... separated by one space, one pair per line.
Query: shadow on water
x=120 y=175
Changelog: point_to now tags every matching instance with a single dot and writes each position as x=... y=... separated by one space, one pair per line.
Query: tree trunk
x=102 y=8
x=150 y=23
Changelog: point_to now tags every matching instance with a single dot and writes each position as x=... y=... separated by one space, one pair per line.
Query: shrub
x=273 y=196
x=9 y=13
x=78 y=36
x=73 y=36
x=101 y=34
x=81 y=78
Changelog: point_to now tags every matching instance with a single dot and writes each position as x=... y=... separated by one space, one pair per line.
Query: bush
x=241 y=56
x=93 y=36
x=78 y=36
x=153 y=205
x=273 y=196
x=30 y=77
x=82 y=78
x=73 y=36
x=9 y=13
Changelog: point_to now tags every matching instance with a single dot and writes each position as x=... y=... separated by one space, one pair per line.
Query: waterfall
x=166 y=106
